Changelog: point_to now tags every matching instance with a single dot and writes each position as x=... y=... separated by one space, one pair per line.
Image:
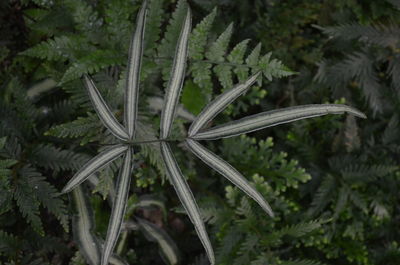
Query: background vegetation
x=333 y=181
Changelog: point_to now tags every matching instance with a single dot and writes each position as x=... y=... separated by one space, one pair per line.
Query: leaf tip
x=356 y=113
x=65 y=190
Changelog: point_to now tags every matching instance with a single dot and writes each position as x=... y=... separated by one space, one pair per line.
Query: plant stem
x=154 y=141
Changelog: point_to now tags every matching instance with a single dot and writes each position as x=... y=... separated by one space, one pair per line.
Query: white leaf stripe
x=220 y=103
x=273 y=118
x=133 y=73
x=103 y=110
x=175 y=83
x=115 y=260
x=93 y=165
x=167 y=246
x=83 y=226
x=186 y=197
x=229 y=172
x=119 y=207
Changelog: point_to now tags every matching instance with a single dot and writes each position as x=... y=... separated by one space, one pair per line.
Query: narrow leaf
x=93 y=165
x=273 y=118
x=119 y=207
x=186 y=197
x=103 y=110
x=168 y=248
x=146 y=201
x=226 y=170
x=219 y=104
x=133 y=73
x=177 y=76
x=83 y=225
x=115 y=260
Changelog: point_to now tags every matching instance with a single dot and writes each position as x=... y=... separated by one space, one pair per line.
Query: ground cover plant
x=175 y=83
x=51 y=135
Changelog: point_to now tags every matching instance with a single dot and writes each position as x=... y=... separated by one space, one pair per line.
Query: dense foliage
x=332 y=181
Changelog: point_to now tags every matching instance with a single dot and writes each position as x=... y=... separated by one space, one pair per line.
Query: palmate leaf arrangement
x=126 y=134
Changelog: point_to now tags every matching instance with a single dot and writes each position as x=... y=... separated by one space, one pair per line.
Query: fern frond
x=249 y=244
x=86 y=127
x=229 y=241
x=171 y=36
x=62 y=110
x=299 y=230
x=366 y=173
x=28 y=205
x=273 y=68
x=9 y=244
x=168 y=43
x=46 y=194
x=51 y=157
x=201 y=71
x=77 y=93
x=198 y=37
x=219 y=46
x=85 y=18
x=244 y=208
x=253 y=59
x=236 y=57
x=210 y=213
x=117 y=21
x=341 y=201
x=323 y=195
x=92 y=63
x=224 y=74
x=58 y=49
x=5 y=165
x=153 y=24
x=379 y=34
x=357 y=199
x=104 y=184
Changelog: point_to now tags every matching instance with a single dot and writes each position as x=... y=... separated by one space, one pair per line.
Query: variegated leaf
x=219 y=104
x=103 y=111
x=133 y=72
x=146 y=201
x=177 y=77
x=273 y=118
x=168 y=248
x=226 y=170
x=83 y=225
x=95 y=164
x=186 y=197
x=115 y=260
x=119 y=207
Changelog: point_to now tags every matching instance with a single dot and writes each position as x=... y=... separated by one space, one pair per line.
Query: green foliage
x=343 y=206
x=27 y=192
x=285 y=174
x=85 y=127
x=368 y=63
x=241 y=225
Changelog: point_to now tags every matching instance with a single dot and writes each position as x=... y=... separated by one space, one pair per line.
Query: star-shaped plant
x=126 y=134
